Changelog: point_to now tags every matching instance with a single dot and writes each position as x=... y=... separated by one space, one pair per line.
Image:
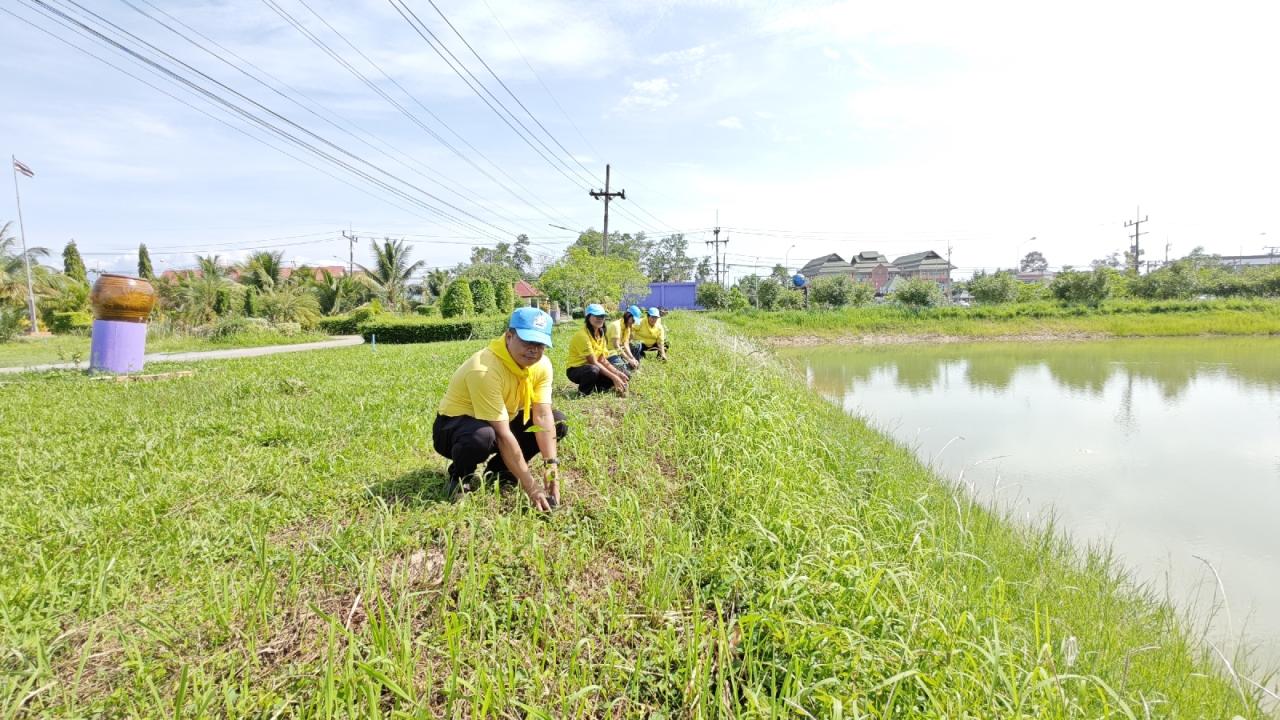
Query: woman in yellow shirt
x=588 y=362
x=617 y=336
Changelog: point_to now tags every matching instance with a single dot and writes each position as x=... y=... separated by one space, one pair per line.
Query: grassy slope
x=63 y=348
x=269 y=535
x=1173 y=319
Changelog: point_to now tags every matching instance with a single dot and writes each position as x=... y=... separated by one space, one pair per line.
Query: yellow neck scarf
x=499 y=347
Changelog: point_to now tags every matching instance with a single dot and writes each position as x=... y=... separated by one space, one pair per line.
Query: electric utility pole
x=1136 y=224
x=608 y=196
x=351 y=251
x=717 y=242
x=20 y=167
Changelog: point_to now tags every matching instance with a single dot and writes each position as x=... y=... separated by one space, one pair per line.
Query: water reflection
x=1172 y=365
x=1166 y=449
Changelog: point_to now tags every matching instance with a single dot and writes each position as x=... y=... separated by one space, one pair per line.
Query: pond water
x=1168 y=450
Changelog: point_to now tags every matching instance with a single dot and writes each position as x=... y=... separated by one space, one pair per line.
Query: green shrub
x=400 y=330
x=840 y=291
x=918 y=293
x=1082 y=288
x=999 y=287
x=457 y=300
x=227 y=328
x=10 y=322
x=482 y=296
x=738 y=300
x=767 y=294
x=712 y=296
x=70 y=322
x=1032 y=292
x=349 y=324
x=222 y=301
x=287 y=329
x=427 y=310
x=251 y=302
x=504 y=297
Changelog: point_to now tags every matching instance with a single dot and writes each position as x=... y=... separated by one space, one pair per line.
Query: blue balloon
x=798 y=280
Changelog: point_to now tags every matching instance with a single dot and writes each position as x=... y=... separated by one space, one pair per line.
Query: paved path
x=337 y=342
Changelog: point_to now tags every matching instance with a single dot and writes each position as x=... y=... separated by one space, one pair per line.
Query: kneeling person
x=652 y=335
x=617 y=337
x=588 y=361
x=499 y=401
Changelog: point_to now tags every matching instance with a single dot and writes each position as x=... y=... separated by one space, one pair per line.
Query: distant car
x=962 y=303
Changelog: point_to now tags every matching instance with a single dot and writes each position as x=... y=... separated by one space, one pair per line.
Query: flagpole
x=22 y=232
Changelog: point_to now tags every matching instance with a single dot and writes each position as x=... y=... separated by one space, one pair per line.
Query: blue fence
x=671 y=296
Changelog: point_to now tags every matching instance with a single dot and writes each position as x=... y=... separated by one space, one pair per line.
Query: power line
x=296 y=24
x=202 y=111
x=248 y=115
x=445 y=183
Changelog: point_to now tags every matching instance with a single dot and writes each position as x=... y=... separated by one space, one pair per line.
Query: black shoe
x=457 y=487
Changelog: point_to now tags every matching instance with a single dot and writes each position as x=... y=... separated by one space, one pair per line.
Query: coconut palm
x=211 y=266
x=436 y=280
x=13 y=268
x=337 y=294
x=262 y=270
x=289 y=303
x=389 y=277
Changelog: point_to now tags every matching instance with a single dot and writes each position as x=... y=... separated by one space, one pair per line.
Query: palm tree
x=262 y=270
x=337 y=294
x=211 y=266
x=290 y=303
x=389 y=277
x=13 y=267
x=436 y=280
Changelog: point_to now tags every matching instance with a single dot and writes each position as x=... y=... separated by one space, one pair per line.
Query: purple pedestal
x=117 y=346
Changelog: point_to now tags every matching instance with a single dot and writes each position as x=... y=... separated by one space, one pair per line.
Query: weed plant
x=269 y=538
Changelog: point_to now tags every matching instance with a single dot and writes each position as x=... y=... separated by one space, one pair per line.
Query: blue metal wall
x=672 y=296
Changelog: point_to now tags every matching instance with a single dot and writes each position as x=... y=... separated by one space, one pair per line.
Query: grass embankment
x=269 y=537
x=891 y=323
x=68 y=348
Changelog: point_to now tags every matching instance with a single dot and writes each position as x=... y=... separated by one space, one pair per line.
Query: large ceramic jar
x=120 y=297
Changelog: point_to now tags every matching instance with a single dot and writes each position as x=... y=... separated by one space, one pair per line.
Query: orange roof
x=525 y=290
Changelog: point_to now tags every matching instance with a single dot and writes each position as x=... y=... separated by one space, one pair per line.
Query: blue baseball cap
x=532 y=325
x=635 y=311
x=595 y=309
x=654 y=312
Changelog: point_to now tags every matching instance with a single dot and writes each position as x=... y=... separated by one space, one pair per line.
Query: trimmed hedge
x=69 y=322
x=422 y=330
x=348 y=324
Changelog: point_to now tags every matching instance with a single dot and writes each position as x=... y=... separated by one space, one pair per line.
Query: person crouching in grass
x=617 y=336
x=499 y=401
x=588 y=361
x=652 y=335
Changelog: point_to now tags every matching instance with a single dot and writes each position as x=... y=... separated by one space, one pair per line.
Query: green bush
x=1082 y=288
x=10 y=322
x=482 y=296
x=918 y=293
x=504 y=297
x=227 y=328
x=349 y=324
x=840 y=291
x=712 y=296
x=401 y=330
x=999 y=287
x=251 y=302
x=427 y=310
x=738 y=300
x=767 y=294
x=70 y=322
x=457 y=300
x=222 y=301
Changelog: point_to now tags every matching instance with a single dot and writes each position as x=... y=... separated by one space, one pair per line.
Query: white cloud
x=655 y=93
x=831 y=53
x=680 y=57
x=732 y=122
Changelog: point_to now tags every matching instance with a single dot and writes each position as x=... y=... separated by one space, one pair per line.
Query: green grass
x=1115 y=318
x=66 y=348
x=269 y=538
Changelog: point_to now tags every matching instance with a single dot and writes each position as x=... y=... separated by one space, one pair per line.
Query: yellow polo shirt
x=616 y=334
x=583 y=346
x=483 y=388
x=650 y=336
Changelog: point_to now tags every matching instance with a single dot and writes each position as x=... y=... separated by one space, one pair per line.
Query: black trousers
x=648 y=348
x=589 y=379
x=467 y=442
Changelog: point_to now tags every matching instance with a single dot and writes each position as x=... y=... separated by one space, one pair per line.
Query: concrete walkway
x=337 y=342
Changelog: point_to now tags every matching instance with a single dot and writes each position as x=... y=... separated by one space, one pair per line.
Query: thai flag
x=22 y=168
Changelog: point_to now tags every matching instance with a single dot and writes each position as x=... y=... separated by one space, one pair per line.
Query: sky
x=987 y=129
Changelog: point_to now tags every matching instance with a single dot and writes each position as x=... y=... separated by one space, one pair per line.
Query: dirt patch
x=928 y=338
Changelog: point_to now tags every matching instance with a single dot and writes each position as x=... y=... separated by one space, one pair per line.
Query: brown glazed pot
x=120 y=297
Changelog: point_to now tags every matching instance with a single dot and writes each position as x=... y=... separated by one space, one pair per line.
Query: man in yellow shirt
x=499 y=401
x=652 y=335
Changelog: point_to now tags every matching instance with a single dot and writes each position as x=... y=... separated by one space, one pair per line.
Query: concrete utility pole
x=1136 y=224
x=22 y=233
x=717 y=242
x=351 y=251
x=621 y=195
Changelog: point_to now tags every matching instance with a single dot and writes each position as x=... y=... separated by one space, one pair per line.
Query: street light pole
x=26 y=257
x=786 y=259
